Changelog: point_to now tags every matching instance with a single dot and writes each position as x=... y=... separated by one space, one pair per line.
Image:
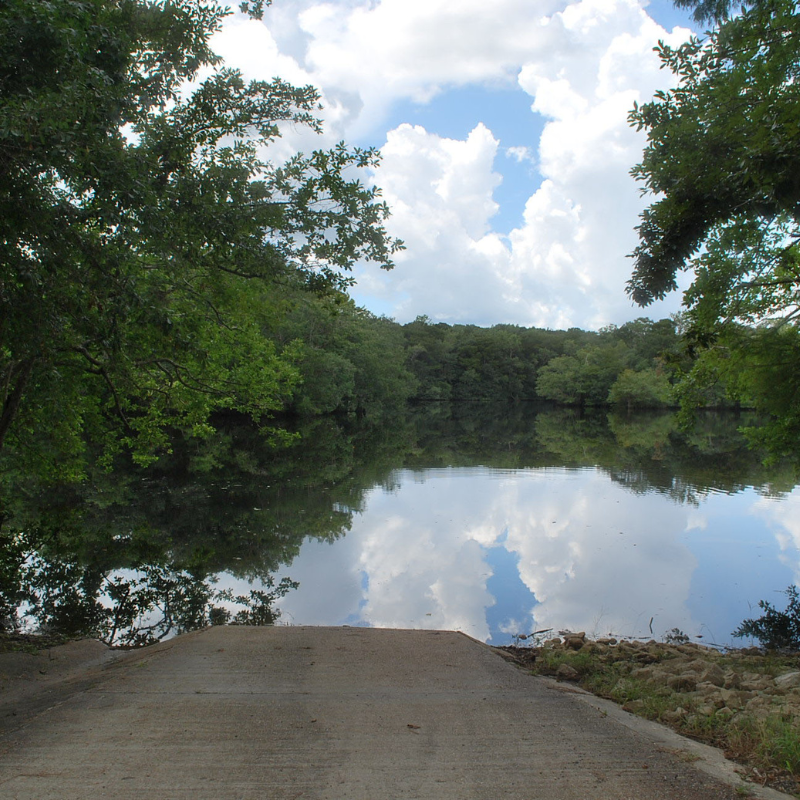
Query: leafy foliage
x=712 y=10
x=145 y=236
x=776 y=630
x=722 y=160
x=720 y=145
x=647 y=388
x=507 y=362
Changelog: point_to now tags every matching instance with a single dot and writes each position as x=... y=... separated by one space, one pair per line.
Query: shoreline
x=745 y=702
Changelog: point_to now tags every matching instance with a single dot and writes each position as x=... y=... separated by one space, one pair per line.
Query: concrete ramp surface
x=333 y=713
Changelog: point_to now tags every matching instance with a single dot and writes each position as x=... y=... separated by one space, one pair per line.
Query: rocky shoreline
x=745 y=701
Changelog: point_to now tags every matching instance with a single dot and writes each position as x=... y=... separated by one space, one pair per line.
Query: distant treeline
x=350 y=360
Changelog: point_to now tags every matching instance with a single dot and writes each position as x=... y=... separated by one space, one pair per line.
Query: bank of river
x=746 y=702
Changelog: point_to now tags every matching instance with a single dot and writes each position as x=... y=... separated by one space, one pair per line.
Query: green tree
x=429 y=356
x=721 y=146
x=711 y=10
x=349 y=359
x=560 y=379
x=648 y=342
x=647 y=388
x=144 y=238
x=723 y=160
x=584 y=378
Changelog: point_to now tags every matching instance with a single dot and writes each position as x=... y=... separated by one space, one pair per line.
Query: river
x=498 y=522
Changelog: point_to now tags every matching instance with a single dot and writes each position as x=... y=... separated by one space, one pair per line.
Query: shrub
x=776 y=630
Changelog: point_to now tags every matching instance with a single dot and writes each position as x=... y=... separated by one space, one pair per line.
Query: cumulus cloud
x=566 y=265
x=520 y=154
x=415 y=49
x=441 y=194
x=583 y=64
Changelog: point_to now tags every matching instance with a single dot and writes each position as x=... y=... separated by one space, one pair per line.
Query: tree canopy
x=722 y=145
x=145 y=232
x=723 y=164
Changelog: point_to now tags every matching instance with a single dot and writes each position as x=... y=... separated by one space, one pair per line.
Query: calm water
x=498 y=552
x=491 y=521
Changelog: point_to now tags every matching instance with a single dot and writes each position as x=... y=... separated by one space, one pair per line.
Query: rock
x=674 y=666
x=725 y=713
x=759 y=706
x=682 y=683
x=574 y=642
x=713 y=674
x=732 y=680
x=646 y=657
x=734 y=698
x=789 y=680
x=716 y=700
x=761 y=684
x=567 y=673
x=607 y=640
x=633 y=706
x=672 y=716
x=788 y=706
x=644 y=674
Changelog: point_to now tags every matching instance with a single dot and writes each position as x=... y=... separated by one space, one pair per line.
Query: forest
x=628 y=366
x=186 y=386
x=162 y=269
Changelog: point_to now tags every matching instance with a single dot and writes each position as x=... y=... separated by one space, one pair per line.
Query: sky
x=505 y=146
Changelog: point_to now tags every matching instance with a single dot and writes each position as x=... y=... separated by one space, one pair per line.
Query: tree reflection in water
x=123 y=608
x=137 y=555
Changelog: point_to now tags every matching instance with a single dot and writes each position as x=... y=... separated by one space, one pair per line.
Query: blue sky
x=506 y=150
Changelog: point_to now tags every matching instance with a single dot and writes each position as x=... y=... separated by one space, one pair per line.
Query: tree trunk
x=17 y=381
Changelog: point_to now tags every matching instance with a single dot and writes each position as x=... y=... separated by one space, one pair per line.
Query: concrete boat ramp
x=309 y=713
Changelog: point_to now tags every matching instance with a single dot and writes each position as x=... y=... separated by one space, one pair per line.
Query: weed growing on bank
x=745 y=702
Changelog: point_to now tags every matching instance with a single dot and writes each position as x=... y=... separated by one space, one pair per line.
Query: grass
x=12 y=642
x=769 y=747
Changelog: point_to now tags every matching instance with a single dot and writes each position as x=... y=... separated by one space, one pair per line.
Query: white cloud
x=440 y=191
x=566 y=265
x=415 y=48
x=583 y=65
x=520 y=154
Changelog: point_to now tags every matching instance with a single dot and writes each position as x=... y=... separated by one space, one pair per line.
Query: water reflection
x=491 y=522
x=497 y=553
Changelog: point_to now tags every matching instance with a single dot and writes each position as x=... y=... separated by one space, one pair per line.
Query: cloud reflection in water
x=497 y=552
